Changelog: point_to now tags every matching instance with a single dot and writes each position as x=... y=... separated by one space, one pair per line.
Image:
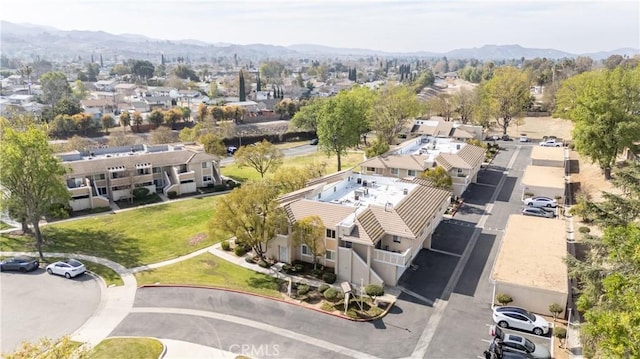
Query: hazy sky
x=573 y=26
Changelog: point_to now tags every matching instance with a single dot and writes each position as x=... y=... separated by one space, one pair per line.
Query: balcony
x=82 y=190
x=185 y=176
x=395 y=258
x=143 y=178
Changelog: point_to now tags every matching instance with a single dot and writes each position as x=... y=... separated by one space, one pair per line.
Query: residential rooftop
x=365 y=190
x=531 y=257
x=429 y=146
x=122 y=151
x=548 y=153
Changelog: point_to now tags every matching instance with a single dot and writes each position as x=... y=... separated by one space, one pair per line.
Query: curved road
x=232 y=321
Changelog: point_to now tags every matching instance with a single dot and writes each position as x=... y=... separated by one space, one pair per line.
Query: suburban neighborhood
x=190 y=199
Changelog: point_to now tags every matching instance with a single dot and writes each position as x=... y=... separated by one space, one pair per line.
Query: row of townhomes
x=100 y=176
x=379 y=219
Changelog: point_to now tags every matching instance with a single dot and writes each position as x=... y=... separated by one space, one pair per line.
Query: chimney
x=405 y=191
x=388 y=207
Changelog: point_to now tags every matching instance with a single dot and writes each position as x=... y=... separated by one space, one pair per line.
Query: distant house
x=126 y=89
x=158 y=102
x=106 y=85
x=438 y=127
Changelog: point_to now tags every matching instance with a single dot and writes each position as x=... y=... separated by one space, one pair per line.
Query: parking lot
x=36 y=305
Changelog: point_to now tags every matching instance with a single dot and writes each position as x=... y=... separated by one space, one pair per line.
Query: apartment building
x=375 y=226
x=101 y=175
x=462 y=161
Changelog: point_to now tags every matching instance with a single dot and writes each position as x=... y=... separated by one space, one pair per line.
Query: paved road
x=228 y=320
x=36 y=305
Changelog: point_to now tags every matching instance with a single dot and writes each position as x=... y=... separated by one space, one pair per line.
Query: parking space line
x=445 y=252
x=416 y=295
x=485 y=184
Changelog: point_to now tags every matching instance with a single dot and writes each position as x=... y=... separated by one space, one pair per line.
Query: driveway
x=36 y=305
x=228 y=320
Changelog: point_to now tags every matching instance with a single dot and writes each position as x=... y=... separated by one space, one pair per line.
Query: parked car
x=70 y=268
x=551 y=143
x=506 y=138
x=519 y=318
x=23 y=264
x=231 y=150
x=314 y=142
x=518 y=344
x=541 y=201
x=545 y=138
x=538 y=212
x=496 y=351
x=524 y=138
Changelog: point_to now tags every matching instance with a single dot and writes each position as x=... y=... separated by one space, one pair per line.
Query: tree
x=243 y=93
x=310 y=231
x=307 y=116
x=137 y=120
x=83 y=121
x=156 y=118
x=142 y=69
x=271 y=70
x=162 y=135
x=31 y=177
x=172 y=116
x=213 y=90
x=556 y=309
x=212 y=144
x=251 y=214
x=80 y=91
x=464 y=103
x=54 y=87
x=202 y=112
x=425 y=79
x=378 y=146
x=125 y=119
x=262 y=157
x=343 y=119
x=67 y=106
x=289 y=179
x=605 y=108
x=393 y=108
x=439 y=177
x=185 y=113
x=107 y=122
x=505 y=95
x=47 y=348
x=185 y=72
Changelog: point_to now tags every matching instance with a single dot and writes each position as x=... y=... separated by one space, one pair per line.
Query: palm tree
x=137 y=119
x=26 y=71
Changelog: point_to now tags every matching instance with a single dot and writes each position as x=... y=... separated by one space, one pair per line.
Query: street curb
x=384 y=313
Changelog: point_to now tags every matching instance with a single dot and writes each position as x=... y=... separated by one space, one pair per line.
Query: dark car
x=506 y=138
x=314 y=142
x=22 y=264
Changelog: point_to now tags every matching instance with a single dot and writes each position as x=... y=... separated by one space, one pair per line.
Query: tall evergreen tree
x=101 y=62
x=91 y=58
x=162 y=60
x=258 y=84
x=243 y=94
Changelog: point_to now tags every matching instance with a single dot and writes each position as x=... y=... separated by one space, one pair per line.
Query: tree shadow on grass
x=264 y=282
x=111 y=245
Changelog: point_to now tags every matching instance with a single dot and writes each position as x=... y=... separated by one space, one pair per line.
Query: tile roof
x=450 y=160
x=460 y=133
x=419 y=207
x=408 y=162
x=468 y=157
x=331 y=178
x=330 y=213
x=368 y=221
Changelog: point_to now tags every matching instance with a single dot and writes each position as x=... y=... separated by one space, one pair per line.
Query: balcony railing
x=191 y=175
x=398 y=259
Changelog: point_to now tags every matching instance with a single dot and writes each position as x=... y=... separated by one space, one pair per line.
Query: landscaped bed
x=133 y=348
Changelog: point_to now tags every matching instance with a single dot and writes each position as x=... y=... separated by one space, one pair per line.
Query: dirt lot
x=538 y=127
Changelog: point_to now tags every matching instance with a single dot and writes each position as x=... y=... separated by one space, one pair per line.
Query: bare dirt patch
x=195 y=240
x=537 y=127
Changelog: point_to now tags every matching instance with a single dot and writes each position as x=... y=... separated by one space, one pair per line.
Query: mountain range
x=31 y=41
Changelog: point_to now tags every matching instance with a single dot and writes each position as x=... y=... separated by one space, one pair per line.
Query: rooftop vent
x=405 y=191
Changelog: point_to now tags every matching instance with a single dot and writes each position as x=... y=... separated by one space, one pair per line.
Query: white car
x=70 y=268
x=541 y=202
x=539 y=212
x=515 y=317
x=551 y=143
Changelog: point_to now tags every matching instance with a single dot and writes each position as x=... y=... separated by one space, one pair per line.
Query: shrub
x=329 y=277
x=555 y=309
x=250 y=259
x=323 y=287
x=287 y=268
x=239 y=250
x=528 y=194
x=263 y=264
x=59 y=211
x=220 y=188
x=302 y=289
x=318 y=273
x=560 y=333
x=298 y=268
x=139 y=193
x=225 y=246
x=330 y=294
x=374 y=290
x=172 y=194
x=504 y=299
x=584 y=230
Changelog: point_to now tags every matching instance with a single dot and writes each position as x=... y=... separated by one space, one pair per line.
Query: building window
x=102 y=191
x=395 y=171
x=331 y=233
x=143 y=171
x=396 y=239
x=411 y=173
x=330 y=255
x=156 y=169
x=459 y=171
x=205 y=164
x=319 y=195
x=206 y=178
x=371 y=169
x=98 y=177
x=348 y=244
x=305 y=250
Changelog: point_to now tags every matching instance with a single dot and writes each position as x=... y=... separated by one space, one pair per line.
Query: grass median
x=209 y=270
x=125 y=348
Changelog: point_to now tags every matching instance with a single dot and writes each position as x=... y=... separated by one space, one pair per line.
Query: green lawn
x=209 y=270
x=127 y=348
x=247 y=173
x=131 y=238
x=109 y=275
